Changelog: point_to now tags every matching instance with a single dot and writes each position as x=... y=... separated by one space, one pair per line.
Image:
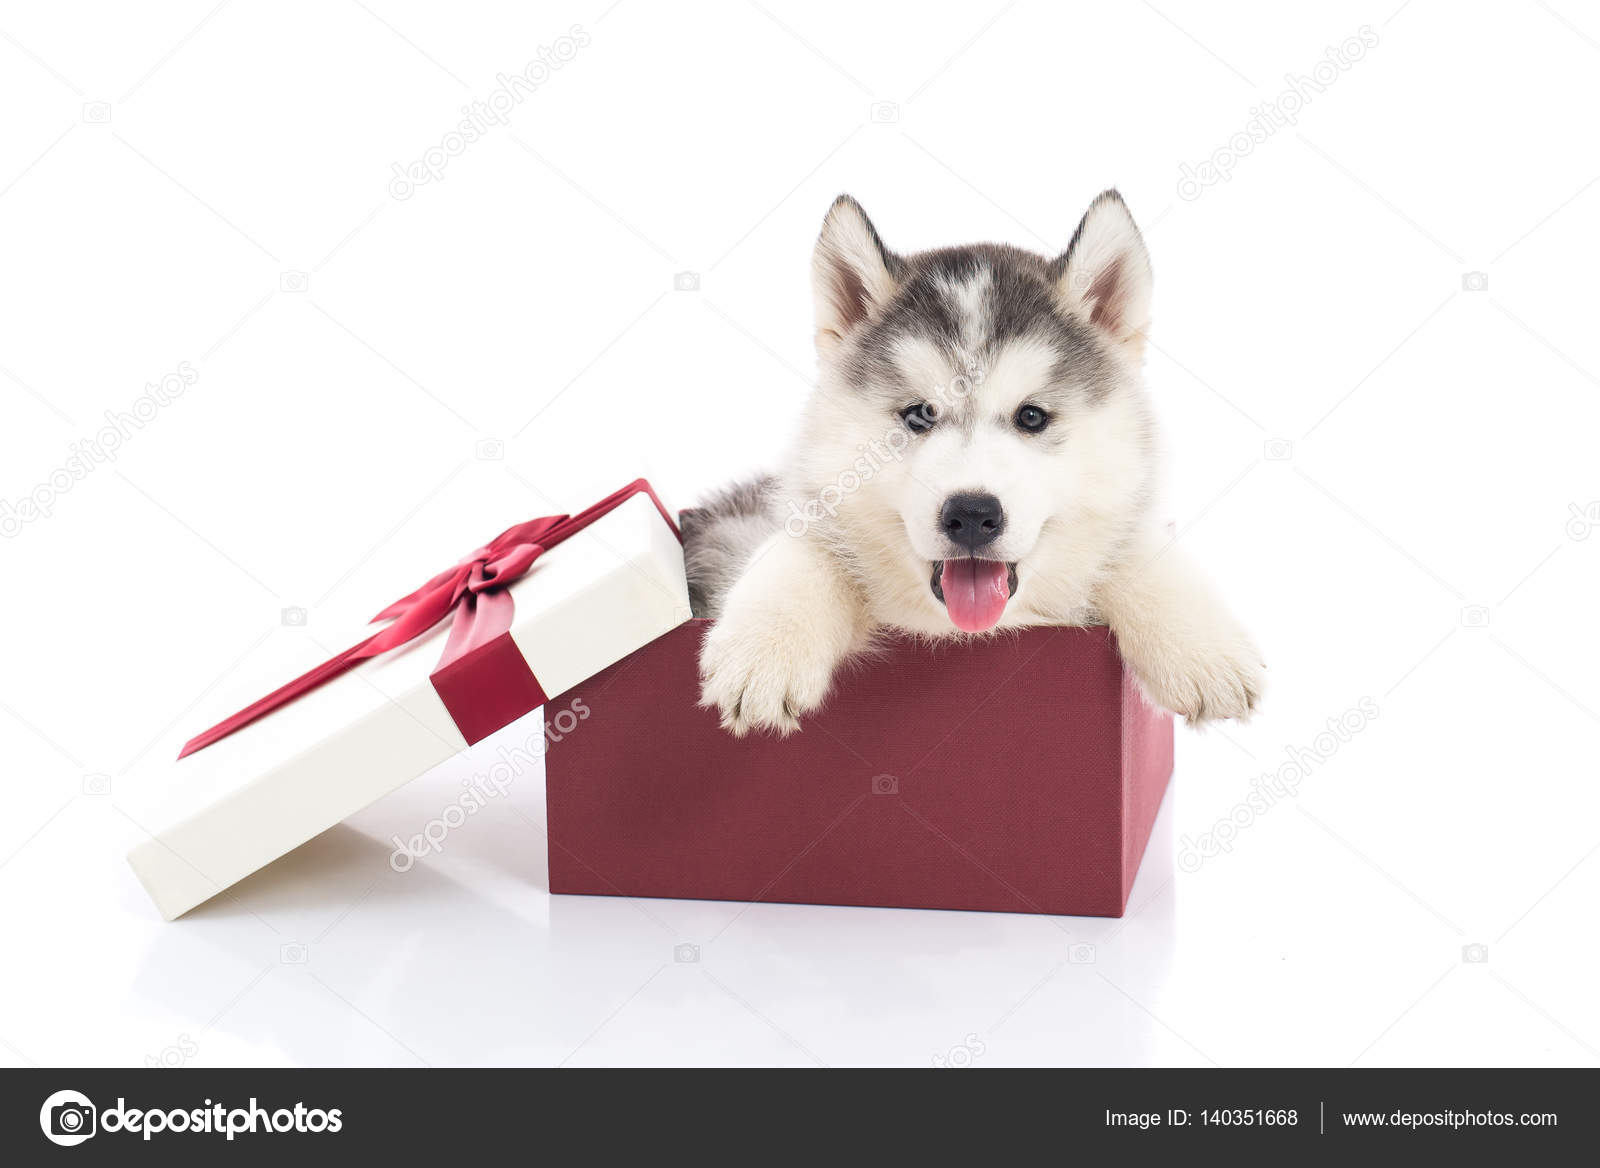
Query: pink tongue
x=975 y=593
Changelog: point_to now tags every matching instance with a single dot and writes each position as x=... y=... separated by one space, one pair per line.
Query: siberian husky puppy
x=979 y=454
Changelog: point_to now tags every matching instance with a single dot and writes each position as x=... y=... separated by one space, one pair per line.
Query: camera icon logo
x=293 y=616
x=1277 y=450
x=489 y=450
x=67 y=1118
x=885 y=785
x=686 y=282
x=1475 y=282
x=883 y=113
x=1080 y=954
x=686 y=954
x=293 y=282
x=1475 y=616
x=96 y=786
x=1475 y=954
x=97 y=113
x=294 y=953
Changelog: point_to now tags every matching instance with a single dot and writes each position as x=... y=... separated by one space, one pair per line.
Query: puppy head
x=986 y=402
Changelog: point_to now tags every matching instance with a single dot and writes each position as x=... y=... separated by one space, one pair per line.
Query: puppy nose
x=972 y=519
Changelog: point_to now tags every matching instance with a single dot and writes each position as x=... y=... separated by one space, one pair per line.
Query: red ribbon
x=476 y=590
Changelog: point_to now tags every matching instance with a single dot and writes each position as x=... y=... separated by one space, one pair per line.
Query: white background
x=1423 y=544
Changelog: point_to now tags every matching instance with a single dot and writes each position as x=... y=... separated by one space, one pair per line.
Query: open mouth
x=974 y=592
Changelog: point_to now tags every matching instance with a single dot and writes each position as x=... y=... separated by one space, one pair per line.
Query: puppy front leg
x=1186 y=649
x=786 y=625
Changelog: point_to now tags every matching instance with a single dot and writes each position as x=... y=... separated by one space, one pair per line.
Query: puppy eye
x=1032 y=419
x=920 y=417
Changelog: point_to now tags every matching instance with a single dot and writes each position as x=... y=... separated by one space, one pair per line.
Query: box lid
x=246 y=799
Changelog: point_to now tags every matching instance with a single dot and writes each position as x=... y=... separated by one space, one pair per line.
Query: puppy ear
x=852 y=273
x=1104 y=275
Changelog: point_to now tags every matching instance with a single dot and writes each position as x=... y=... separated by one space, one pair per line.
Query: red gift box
x=1018 y=773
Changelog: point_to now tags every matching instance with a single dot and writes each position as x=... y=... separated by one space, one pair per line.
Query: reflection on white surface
x=330 y=956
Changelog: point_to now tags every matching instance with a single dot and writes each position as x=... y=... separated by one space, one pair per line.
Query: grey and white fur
x=980 y=416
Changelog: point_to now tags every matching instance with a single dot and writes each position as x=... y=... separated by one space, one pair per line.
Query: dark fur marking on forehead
x=1019 y=301
x=1080 y=359
x=919 y=308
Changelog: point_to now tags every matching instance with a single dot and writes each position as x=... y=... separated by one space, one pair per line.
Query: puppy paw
x=1205 y=682
x=760 y=678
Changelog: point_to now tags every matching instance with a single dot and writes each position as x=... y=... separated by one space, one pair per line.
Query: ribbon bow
x=475 y=590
